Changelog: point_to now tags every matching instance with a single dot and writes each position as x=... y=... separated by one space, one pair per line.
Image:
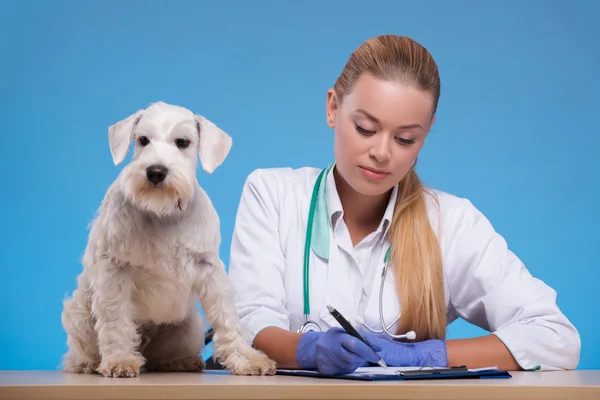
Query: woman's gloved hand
x=428 y=353
x=333 y=352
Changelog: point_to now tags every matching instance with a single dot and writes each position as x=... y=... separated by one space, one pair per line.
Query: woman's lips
x=373 y=173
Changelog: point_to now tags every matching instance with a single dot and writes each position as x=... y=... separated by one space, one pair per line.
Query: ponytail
x=417 y=263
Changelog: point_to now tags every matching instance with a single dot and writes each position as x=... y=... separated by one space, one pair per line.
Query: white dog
x=153 y=250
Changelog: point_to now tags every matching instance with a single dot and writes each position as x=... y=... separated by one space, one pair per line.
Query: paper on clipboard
x=386 y=371
x=405 y=373
x=399 y=370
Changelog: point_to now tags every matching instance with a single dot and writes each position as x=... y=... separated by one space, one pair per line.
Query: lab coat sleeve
x=491 y=288
x=256 y=260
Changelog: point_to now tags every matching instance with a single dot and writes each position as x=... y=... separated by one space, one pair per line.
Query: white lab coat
x=485 y=283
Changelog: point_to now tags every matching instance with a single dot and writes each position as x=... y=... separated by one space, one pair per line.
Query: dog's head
x=168 y=140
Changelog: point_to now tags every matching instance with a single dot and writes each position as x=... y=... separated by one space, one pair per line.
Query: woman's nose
x=380 y=150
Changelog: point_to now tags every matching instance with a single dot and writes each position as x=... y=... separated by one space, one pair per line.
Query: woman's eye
x=405 y=141
x=363 y=130
x=143 y=140
x=182 y=143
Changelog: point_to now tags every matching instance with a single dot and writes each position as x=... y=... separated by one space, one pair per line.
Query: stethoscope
x=310 y=325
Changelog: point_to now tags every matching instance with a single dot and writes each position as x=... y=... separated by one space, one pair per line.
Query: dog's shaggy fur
x=153 y=250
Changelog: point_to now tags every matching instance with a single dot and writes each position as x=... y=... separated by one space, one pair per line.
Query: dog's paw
x=82 y=368
x=128 y=368
x=78 y=363
x=187 y=364
x=252 y=362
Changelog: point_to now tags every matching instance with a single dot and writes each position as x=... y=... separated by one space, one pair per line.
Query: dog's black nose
x=156 y=173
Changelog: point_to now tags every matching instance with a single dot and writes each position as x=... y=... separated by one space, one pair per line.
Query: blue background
x=516 y=130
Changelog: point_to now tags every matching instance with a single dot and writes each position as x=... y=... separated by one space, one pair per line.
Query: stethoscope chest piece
x=309 y=326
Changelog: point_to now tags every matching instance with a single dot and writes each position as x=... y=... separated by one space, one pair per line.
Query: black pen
x=350 y=329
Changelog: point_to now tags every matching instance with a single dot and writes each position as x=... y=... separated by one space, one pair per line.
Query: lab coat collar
x=320 y=229
x=384 y=226
x=329 y=210
x=334 y=204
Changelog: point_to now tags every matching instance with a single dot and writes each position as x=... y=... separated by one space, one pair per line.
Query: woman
x=446 y=261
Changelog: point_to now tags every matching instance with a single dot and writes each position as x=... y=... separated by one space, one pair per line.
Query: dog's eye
x=182 y=143
x=144 y=140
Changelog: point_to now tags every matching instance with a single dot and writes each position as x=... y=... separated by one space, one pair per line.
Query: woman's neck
x=362 y=213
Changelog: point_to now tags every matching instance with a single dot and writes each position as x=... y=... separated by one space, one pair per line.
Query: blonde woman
x=310 y=238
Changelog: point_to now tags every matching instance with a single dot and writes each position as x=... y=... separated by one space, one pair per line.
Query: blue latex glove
x=428 y=353
x=333 y=352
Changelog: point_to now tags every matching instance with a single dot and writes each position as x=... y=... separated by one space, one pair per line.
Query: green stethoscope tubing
x=311 y=217
x=307 y=245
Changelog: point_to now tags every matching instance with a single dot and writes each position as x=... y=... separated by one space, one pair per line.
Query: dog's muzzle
x=156 y=173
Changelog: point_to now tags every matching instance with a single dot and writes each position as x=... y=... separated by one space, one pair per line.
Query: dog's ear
x=214 y=144
x=120 y=136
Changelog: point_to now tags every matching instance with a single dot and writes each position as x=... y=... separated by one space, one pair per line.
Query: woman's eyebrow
x=375 y=120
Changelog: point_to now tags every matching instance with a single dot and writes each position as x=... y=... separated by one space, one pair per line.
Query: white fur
x=153 y=250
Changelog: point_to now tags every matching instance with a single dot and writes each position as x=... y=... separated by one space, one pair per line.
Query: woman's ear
x=331 y=108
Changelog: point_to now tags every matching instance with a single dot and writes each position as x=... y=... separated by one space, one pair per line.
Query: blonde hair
x=416 y=255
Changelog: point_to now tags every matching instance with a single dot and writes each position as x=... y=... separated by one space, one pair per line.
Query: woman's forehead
x=389 y=101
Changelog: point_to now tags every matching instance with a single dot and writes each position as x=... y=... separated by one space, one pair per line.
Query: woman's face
x=379 y=130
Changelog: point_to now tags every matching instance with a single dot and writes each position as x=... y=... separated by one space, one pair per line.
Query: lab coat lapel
x=321 y=227
x=323 y=244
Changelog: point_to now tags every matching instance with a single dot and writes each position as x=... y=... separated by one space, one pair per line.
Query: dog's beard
x=165 y=198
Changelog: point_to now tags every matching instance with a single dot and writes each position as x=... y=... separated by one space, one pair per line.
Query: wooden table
x=577 y=385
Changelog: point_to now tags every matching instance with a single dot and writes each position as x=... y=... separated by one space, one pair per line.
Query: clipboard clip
x=433 y=371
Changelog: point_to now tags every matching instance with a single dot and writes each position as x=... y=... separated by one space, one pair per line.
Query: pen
x=350 y=329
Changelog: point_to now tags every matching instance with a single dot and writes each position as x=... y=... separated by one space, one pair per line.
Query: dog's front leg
x=230 y=346
x=118 y=337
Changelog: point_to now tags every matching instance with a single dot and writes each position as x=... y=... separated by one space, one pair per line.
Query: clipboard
x=405 y=373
